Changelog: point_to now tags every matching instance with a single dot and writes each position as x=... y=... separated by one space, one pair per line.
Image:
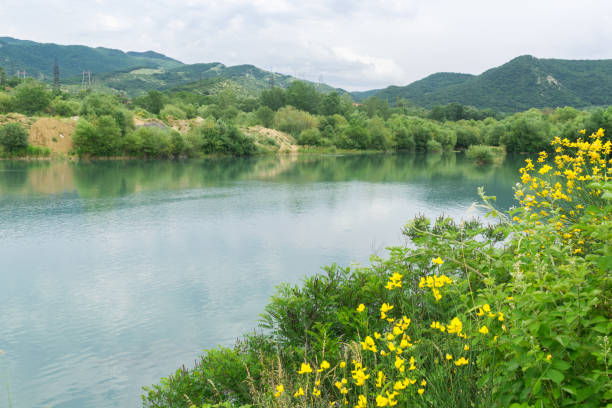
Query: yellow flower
x=466 y=347
x=461 y=361
x=501 y=317
x=437 y=261
x=399 y=364
x=384 y=309
x=324 y=366
x=436 y=294
x=316 y=392
x=299 y=392
x=421 y=391
x=483 y=330
x=279 y=390
x=548 y=357
x=361 y=308
x=486 y=308
x=342 y=364
x=305 y=369
x=449 y=356
x=359 y=374
x=362 y=402
x=381 y=401
x=380 y=379
x=368 y=344
x=455 y=326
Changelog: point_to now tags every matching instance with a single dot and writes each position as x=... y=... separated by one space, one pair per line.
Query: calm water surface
x=113 y=274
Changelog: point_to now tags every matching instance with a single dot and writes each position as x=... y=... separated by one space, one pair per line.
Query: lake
x=115 y=273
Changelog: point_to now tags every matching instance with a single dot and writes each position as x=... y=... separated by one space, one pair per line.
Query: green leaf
x=554 y=375
x=560 y=365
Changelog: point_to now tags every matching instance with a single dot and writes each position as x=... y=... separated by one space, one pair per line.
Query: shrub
x=311 y=137
x=172 y=111
x=291 y=120
x=30 y=97
x=434 y=146
x=13 y=137
x=100 y=137
x=482 y=154
x=265 y=116
x=5 y=102
x=64 y=108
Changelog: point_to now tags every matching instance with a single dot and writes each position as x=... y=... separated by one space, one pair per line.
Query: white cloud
x=354 y=44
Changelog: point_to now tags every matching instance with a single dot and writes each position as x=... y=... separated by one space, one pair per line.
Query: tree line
x=317 y=120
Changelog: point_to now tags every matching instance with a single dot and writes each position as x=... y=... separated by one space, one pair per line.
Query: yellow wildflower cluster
x=434 y=282
x=546 y=193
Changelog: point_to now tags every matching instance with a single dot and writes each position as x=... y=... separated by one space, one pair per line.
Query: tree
x=31 y=97
x=13 y=137
x=303 y=96
x=100 y=137
x=2 y=77
x=154 y=102
x=265 y=115
x=273 y=98
x=330 y=105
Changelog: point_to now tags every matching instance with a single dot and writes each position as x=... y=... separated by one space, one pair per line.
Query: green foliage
x=303 y=96
x=311 y=137
x=172 y=111
x=153 y=101
x=221 y=137
x=30 y=97
x=294 y=121
x=13 y=137
x=483 y=154
x=265 y=115
x=273 y=98
x=65 y=108
x=527 y=132
x=99 y=137
x=5 y=102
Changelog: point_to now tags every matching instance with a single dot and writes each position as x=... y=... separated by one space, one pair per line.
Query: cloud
x=355 y=44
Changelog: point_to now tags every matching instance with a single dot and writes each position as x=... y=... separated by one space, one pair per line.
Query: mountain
x=37 y=59
x=134 y=72
x=522 y=83
x=247 y=79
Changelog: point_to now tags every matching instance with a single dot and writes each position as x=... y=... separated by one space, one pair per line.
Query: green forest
x=315 y=121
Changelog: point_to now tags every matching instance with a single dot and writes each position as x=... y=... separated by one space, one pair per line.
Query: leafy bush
x=265 y=116
x=482 y=154
x=5 y=102
x=310 y=137
x=172 y=111
x=99 y=137
x=30 y=97
x=13 y=137
x=291 y=120
x=64 y=108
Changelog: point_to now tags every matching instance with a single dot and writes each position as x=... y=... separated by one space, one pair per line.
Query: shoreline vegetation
x=37 y=122
x=515 y=313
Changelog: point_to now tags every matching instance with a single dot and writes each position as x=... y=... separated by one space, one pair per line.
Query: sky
x=352 y=44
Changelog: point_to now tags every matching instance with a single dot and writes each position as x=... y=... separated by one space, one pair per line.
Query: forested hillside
x=523 y=83
x=37 y=59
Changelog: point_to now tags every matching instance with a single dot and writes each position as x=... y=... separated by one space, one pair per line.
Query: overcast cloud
x=347 y=43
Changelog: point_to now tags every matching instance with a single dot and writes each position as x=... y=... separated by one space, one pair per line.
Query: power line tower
x=56 y=78
x=86 y=81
